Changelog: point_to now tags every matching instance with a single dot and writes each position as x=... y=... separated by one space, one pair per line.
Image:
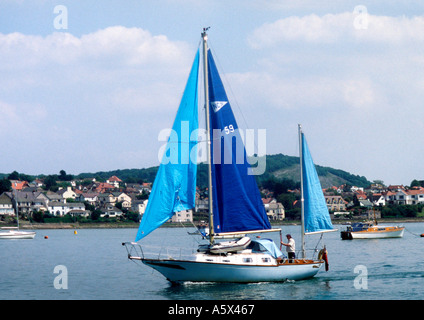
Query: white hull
x=378 y=234
x=11 y=234
x=211 y=271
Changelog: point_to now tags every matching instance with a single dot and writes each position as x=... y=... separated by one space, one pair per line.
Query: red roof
x=18 y=185
x=115 y=178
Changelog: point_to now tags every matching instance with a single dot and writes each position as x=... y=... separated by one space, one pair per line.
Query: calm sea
x=93 y=264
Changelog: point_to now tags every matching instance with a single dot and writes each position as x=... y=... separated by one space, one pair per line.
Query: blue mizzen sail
x=237 y=203
x=174 y=188
x=316 y=216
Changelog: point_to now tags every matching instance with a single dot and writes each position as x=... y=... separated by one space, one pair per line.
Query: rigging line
x=417 y=235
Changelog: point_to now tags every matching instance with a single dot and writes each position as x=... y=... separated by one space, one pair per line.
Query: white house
x=67 y=193
x=61 y=209
x=111 y=198
x=6 y=206
x=139 y=206
x=90 y=197
x=378 y=199
x=183 y=216
x=114 y=181
x=413 y=196
x=407 y=197
x=110 y=211
x=275 y=211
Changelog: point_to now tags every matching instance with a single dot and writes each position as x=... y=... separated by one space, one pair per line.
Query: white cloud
x=131 y=46
x=330 y=28
x=359 y=89
x=70 y=91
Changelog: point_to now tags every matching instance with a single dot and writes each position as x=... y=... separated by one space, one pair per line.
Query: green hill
x=278 y=167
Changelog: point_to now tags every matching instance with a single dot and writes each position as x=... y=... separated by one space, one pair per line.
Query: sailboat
x=235 y=205
x=15 y=232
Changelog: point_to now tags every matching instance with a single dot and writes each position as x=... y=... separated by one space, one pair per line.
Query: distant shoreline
x=119 y=225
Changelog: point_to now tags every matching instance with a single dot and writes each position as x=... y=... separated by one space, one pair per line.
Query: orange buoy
x=422 y=235
x=46 y=237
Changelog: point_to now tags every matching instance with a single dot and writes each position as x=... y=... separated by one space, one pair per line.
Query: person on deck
x=290 y=247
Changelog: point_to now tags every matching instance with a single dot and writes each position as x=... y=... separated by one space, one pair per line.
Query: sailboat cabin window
x=247 y=260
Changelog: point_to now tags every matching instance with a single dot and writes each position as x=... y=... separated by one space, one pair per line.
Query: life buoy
x=322 y=255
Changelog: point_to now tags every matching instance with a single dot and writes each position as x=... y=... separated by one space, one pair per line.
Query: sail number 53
x=229 y=129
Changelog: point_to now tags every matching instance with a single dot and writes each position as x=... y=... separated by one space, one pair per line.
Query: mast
x=302 y=199
x=209 y=142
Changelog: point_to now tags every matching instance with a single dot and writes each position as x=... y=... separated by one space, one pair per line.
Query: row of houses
x=392 y=195
x=29 y=197
x=400 y=196
x=106 y=195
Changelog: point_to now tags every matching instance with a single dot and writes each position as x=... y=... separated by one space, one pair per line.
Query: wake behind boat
x=235 y=204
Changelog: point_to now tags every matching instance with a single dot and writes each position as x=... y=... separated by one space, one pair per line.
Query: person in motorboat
x=290 y=248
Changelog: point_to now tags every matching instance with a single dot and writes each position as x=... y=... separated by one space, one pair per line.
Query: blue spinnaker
x=174 y=188
x=316 y=216
x=237 y=203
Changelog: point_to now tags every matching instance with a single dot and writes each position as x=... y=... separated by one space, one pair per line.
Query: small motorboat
x=369 y=230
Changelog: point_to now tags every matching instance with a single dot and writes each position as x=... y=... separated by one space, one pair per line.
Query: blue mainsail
x=237 y=203
x=316 y=216
x=174 y=188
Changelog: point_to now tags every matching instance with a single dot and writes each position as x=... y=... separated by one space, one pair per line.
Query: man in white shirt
x=290 y=247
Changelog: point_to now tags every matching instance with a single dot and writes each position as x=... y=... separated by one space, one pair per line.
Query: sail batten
x=174 y=188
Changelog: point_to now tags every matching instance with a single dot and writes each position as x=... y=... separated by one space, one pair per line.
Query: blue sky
x=94 y=97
